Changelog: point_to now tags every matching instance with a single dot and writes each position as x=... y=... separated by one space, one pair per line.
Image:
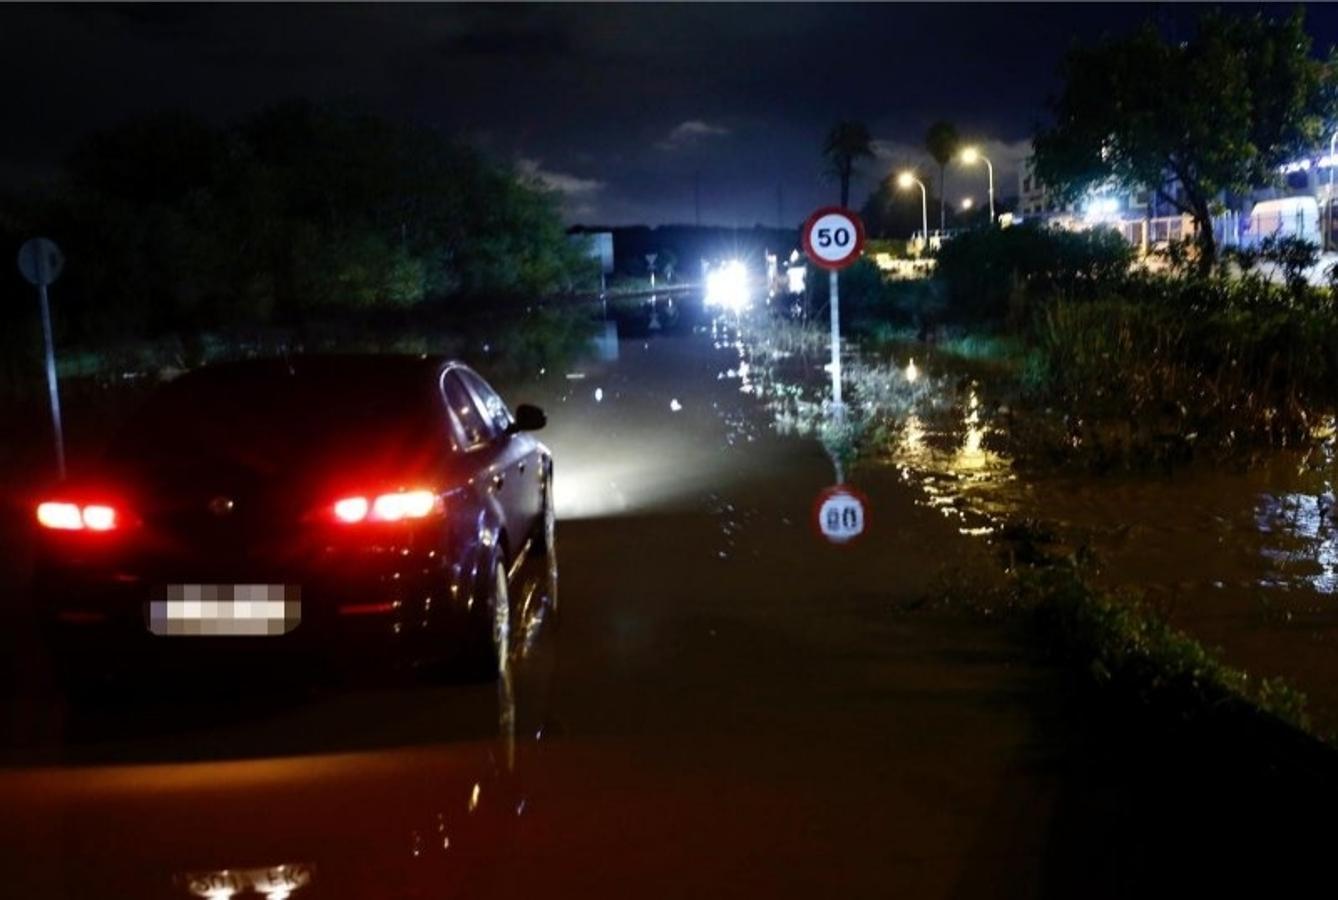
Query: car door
x=487 y=449
x=523 y=467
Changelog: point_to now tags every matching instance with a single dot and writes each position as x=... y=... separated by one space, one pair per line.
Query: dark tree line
x=298 y=211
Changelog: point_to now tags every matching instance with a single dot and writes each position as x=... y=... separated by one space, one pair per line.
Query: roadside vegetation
x=1118 y=644
x=179 y=235
x=1114 y=365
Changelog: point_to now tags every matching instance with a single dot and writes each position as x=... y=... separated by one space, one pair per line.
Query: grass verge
x=1119 y=644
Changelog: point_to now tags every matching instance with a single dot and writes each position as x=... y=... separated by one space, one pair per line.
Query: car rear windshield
x=274 y=415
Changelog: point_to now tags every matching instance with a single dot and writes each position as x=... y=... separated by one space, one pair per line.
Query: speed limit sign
x=833 y=237
x=840 y=514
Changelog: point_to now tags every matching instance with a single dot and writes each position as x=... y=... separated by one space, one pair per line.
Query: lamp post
x=969 y=156
x=904 y=181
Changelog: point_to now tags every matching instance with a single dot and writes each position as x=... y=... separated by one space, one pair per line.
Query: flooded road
x=730 y=707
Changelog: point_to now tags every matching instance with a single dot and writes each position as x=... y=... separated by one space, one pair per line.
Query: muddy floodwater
x=1244 y=558
x=732 y=706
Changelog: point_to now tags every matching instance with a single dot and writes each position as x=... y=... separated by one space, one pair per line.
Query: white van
x=1285 y=217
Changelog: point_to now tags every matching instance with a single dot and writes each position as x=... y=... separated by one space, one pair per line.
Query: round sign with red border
x=833 y=237
x=841 y=514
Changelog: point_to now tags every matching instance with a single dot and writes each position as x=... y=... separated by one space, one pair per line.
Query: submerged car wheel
x=547 y=548
x=488 y=639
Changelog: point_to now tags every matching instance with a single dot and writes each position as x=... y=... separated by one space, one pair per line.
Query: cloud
x=562 y=182
x=690 y=132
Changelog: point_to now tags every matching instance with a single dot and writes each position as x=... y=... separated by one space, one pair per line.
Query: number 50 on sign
x=833 y=237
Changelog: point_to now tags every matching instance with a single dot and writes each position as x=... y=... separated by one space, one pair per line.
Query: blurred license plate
x=209 y=610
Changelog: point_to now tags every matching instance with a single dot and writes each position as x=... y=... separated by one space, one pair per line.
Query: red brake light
x=390 y=507
x=404 y=505
x=351 y=509
x=64 y=516
x=99 y=517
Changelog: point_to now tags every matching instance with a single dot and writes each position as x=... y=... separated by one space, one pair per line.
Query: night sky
x=620 y=108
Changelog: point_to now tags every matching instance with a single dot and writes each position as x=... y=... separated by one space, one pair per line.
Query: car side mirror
x=528 y=418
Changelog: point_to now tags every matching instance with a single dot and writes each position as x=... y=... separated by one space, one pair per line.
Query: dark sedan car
x=342 y=507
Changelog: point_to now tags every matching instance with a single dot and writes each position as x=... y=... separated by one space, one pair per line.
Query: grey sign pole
x=833 y=238
x=52 y=386
x=40 y=261
x=836 y=344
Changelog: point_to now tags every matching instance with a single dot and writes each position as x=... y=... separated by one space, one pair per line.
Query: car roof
x=328 y=368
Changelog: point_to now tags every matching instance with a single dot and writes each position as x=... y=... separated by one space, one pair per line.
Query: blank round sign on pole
x=833 y=237
x=40 y=261
x=841 y=514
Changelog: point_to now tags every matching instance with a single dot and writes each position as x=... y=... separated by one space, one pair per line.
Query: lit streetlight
x=969 y=156
x=904 y=181
x=967 y=204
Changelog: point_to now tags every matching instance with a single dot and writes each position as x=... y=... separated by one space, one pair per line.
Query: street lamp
x=904 y=181
x=967 y=203
x=969 y=156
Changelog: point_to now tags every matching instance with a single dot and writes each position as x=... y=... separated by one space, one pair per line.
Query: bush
x=989 y=273
x=865 y=294
x=1204 y=357
x=1120 y=643
x=1294 y=256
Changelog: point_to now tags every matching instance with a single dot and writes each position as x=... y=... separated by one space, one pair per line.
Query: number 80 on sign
x=840 y=514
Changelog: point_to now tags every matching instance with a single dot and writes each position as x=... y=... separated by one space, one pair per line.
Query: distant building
x=598 y=245
x=1033 y=200
x=1148 y=220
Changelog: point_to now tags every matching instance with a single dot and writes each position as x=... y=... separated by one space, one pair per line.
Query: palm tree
x=942 y=142
x=846 y=143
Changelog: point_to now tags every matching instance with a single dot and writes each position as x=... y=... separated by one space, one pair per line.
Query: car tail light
x=64 y=516
x=351 y=509
x=390 y=507
x=99 y=517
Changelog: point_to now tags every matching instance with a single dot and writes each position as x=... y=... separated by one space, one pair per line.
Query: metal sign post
x=40 y=262
x=833 y=239
x=836 y=342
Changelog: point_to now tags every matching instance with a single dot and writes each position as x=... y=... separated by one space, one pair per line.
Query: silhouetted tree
x=1220 y=112
x=298 y=210
x=846 y=144
x=942 y=141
